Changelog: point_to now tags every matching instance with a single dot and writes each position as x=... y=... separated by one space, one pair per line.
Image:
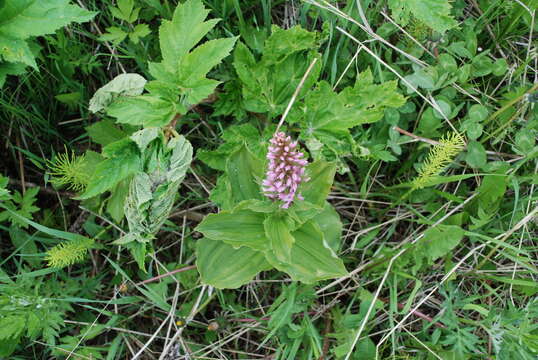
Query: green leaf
x=491 y=192
x=22 y=19
x=330 y=225
x=25 y=18
x=321 y=174
x=152 y=193
x=143 y=110
x=105 y=132
x=115 y=203
x=222 y=266
x=269 y=84
x=245 y=172
x=436 y=242
x=476 y=155
x=143 y=137
x=283 y=43
x=121 y=85
x=326 y=116
x=187 y=27
x=311 y=258
x=11 y=327
x=25 y=245
x=240 y=227
x=16 y=50
x=434 y=13
x=278 y=231
x=113 y=34
x=196 y=64
x=122 y=160
x=140 y=31
x=10 y=69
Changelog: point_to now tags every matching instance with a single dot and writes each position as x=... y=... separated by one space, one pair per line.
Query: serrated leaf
x=113 y=34
x=140 y=31
x=269 y=84
x=121 y=85
x=222 y=266
x=11 y=327
x=283 y=43
x=187 y=27
x=143 y=110
x=436 y=242
x=311 y=257
x=22 y=19
x=196 y=64
x=143 y=137
x=240 y=227
x=26 y=18
x=122 y=160
x=16 y=50
x=434 y=13
x=326 y=116
x=105 y=132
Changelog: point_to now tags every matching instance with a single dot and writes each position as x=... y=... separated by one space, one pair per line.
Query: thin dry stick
x=170 y=273
x=187 y=321
x=296 y=93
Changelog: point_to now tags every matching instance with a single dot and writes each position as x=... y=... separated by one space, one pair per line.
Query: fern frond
x=69 y=170
x=68 y=252
x=439 y=158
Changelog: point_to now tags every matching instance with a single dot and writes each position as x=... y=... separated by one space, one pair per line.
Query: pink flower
x=286 y=170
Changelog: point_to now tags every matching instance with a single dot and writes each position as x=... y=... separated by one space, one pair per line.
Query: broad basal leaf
x=278 y=232
x=222 y=266
x=244 y=172
x=311 y=257
x=240 y=227
x=122 y=160
x=330 y=225
x=283 y=43
x=321 y=174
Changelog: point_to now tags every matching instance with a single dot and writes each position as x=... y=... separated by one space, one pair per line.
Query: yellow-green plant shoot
x=440 y=156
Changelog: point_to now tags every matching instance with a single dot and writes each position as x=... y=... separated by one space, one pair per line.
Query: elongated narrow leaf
x=311 y=257
x=224 y=267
